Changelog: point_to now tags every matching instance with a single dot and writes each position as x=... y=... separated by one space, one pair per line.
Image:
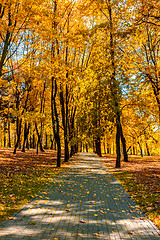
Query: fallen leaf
x=68 y=210
x=82 y=221
x=131 y=233
x=101 y=211
x=143 y=218
x=97 y=234
x=11 y=218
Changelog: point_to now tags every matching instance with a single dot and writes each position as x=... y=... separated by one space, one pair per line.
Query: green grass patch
x=140 y=192
x=18 y=189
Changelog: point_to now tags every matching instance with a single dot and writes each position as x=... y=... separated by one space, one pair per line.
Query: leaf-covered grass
x=141 y=178
x=139 y=191
x=19 y=187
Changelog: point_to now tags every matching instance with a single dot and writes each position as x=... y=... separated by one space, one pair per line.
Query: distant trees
x=77 y=75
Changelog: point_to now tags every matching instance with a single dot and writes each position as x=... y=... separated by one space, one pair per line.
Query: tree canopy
x=81 y=74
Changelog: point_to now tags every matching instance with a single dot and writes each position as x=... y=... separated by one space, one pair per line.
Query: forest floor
x=141 y=179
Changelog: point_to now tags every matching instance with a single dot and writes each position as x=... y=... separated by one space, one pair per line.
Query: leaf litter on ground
x=23 y=176
x=141 y=179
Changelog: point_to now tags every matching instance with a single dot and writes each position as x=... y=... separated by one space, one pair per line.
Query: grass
x=21 y=181
x=20 y=189
x=140 y=193
x=141 y=178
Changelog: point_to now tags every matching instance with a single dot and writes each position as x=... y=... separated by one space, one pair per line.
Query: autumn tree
x=88 y=70
x=13 y=25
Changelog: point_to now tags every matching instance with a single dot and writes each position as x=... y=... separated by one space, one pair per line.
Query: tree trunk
x=58 y=150
x=9 y=135
x=72 y=151
x=134 y=151
x=80 y=147
x=55 y=146
x=113 y=147
x=6 y=41
x=4 y=140
x=26 y=132
x=18 y=130
x=37 y=147
x=118 y=136
x=94 y=149
x=98 y=146
x=104 y=145
x=123 y=140
x=19 y=144
x=55 y=120
x=54 y=112
x=65 y=105
x=87 y=148
x=34 y=142
x=140 y=149
x=46 y=141
x=30 y=142
x=72 y=131
x=27 y=143
x=66 y=157
x=51 y=142
x=39 y=142
x=114 y=86
x=147 y=148
x=76 y=148
x=64 y=112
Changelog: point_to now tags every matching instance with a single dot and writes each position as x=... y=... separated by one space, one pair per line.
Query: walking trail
x=83 y=202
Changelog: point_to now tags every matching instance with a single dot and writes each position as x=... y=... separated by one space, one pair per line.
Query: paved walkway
x=84 y=202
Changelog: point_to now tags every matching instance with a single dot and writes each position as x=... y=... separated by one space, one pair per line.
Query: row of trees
x=80 y=74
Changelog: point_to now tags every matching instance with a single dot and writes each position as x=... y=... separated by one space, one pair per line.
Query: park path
x=83 y=202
